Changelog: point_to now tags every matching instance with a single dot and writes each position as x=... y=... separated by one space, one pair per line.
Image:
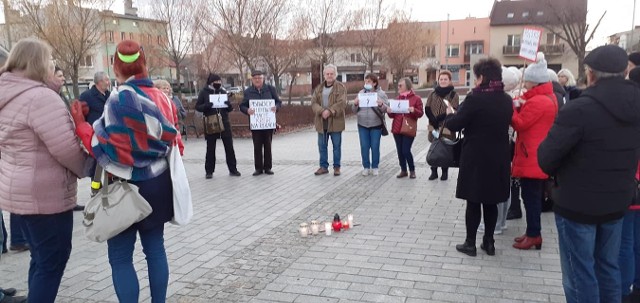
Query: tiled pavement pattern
x=243 y=245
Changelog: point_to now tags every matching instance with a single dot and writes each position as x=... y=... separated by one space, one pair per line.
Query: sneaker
x=365 y=172
x=375 y=172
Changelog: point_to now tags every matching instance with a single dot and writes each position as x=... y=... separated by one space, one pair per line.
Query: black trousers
x=230 y=154
x=262 y=143
x=472 y=220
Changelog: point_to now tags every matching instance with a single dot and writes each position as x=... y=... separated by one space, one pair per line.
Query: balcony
x=547 y=49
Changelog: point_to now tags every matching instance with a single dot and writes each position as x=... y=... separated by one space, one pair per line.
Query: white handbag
x=114 y=209
x=182 y=204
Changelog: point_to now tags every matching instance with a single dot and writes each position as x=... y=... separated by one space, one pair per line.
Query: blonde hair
x=571 y=80
x=161 y=83
x=31 y=57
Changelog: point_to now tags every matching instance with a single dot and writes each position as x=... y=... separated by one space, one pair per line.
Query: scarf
x=492 y=87
x=133 y=138
x=443 y=91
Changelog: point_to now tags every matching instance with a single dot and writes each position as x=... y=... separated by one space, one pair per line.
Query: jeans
x=230 y=154
x=589 y=260
x=323 y=144
x=405 y=157
x=50 y=239
x=630 y=252
x=532 y=190
x=125 y=280
x=262 y=149
x=370 y=141
x=18 y=235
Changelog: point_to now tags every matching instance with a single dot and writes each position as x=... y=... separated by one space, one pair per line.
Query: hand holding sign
x=367 y=99
x=264 y=116
x=218 y=101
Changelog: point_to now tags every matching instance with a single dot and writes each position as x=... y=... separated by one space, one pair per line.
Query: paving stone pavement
x=243 y=244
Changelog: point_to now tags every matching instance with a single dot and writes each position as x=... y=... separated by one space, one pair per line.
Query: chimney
x=129 y=10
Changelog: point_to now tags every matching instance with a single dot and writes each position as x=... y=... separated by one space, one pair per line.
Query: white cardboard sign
x=529 y=43
x=263 y=117
x=218 y=101
x=399 y=106
x=368 y=99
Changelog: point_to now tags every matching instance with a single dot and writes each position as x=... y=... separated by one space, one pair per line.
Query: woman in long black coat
x=483 y=180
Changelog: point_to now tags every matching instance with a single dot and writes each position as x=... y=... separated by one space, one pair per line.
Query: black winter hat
x=607 y=59
x=213 y=77
x=635 y=58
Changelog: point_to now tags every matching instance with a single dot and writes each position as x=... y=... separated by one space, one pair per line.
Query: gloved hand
x=77 y=112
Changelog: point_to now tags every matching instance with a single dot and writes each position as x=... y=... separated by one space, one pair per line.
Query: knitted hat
x=537 y=72
x=509 y=79
x=212 y=78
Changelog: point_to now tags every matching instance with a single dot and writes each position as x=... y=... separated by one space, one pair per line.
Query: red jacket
x=415 y=102
x=532 y=121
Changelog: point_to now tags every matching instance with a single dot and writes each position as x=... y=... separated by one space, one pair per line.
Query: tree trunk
x=276 y=82
x=582 y=76
x=178 y=79
x=74 y=80
x=293 y=79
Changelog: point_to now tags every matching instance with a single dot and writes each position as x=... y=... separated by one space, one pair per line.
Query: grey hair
x=571 y=80
x=604 y=75
x=335 y=68
x=98 y=76
x=407 y=83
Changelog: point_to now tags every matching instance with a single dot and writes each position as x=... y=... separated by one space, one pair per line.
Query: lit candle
x=327 y=228
x=345 y=224
x=350 y=219
x=315 y=227
x=304 y=230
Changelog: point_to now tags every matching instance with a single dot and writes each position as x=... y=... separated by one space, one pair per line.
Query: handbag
x=409 y=126
x=182 y=204
x=213 y=124
x=444 y=152
x=118 y=206
x=385 y=131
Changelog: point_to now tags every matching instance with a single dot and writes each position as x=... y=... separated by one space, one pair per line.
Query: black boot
x=467 y=248
x=488 y=246
x=445 y=174
x=434 y=174
x=515 y=210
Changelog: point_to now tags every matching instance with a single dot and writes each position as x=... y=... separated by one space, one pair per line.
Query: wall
x=460 y=31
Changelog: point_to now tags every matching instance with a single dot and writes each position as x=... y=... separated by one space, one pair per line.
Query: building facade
x=459 y=41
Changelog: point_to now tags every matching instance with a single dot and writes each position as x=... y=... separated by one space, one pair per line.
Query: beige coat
x=337 y=105
x=41 y=156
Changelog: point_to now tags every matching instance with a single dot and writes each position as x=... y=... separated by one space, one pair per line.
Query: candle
x=345 y=224
x=315 y=227
x=304 y=230
x=350 y=219
x=327 y=228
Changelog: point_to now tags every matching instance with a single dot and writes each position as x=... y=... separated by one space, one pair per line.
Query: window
x=160 y=40
x=453 y=50
x=540 y=13
x=123 y=36
x=525 y=14
x=135 y=24
x=429 y=51
x=114 y=21
x=87 y=61
x=130 y=36
x=510 y=15
x=513 y=40
x=355 y=77
x=110 y=36
x=455 y=77
x=377 y=57
x=111 y=60
x=552 y=39
x=475 y=48
x=148 y=38
x=356 y=58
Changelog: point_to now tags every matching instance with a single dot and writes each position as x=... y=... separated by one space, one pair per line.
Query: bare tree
x=326 y=17
x=215 y=57
x=372 y=22
x=72 y=27
x=182 y=18
x=568 y=22
x=403 y=45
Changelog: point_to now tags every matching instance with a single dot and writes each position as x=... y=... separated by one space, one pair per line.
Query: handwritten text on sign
x=367 y=99
x=529 y=43
x=263 y=117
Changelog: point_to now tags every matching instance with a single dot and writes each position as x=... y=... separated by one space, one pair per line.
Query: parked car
x=235 y=89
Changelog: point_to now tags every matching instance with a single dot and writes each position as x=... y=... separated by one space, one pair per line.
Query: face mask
x=368 y=86
x=217 y=85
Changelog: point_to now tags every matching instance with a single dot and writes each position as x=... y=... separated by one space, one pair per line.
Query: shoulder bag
x=114 y=209
x=213 y=124
x=385 y=131
x=444 y=152
x=409 y=126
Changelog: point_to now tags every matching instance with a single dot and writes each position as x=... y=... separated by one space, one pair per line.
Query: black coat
x=96 y=101
x=592 y=152
x=252 y=93
x=204 y=106
x=485 y=162
x=561 y=94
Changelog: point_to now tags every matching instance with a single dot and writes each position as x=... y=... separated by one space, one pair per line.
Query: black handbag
x=445 y=152
x=380 y=115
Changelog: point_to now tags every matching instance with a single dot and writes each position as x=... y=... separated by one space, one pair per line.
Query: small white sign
x=399 y=106
x=530 y=43
x=263 y=117
x=218 y=101
x=368 y=99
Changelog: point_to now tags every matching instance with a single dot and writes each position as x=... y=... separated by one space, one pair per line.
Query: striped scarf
x=132 y=138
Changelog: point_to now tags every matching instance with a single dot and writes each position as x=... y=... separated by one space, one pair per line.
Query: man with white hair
x=97 y=96
x=328 y=104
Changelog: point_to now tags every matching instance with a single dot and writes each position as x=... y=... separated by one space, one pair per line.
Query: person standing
x=40 y=164
x=404 y=142
x=592 y=152
x=328 y=103
x=568 y=82
x=262 y=137
x=165 y=87
x=214 y=87
x=532 y=121
x=436 y=112
x=96 y=97
x=483 y=180
x=370 y=125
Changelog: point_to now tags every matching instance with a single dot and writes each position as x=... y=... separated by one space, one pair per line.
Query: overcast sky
x=617 y=19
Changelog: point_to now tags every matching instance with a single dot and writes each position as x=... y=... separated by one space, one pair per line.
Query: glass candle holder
x=315 y=227
x=327 y=228
x=304 y=230
x=350 y=219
